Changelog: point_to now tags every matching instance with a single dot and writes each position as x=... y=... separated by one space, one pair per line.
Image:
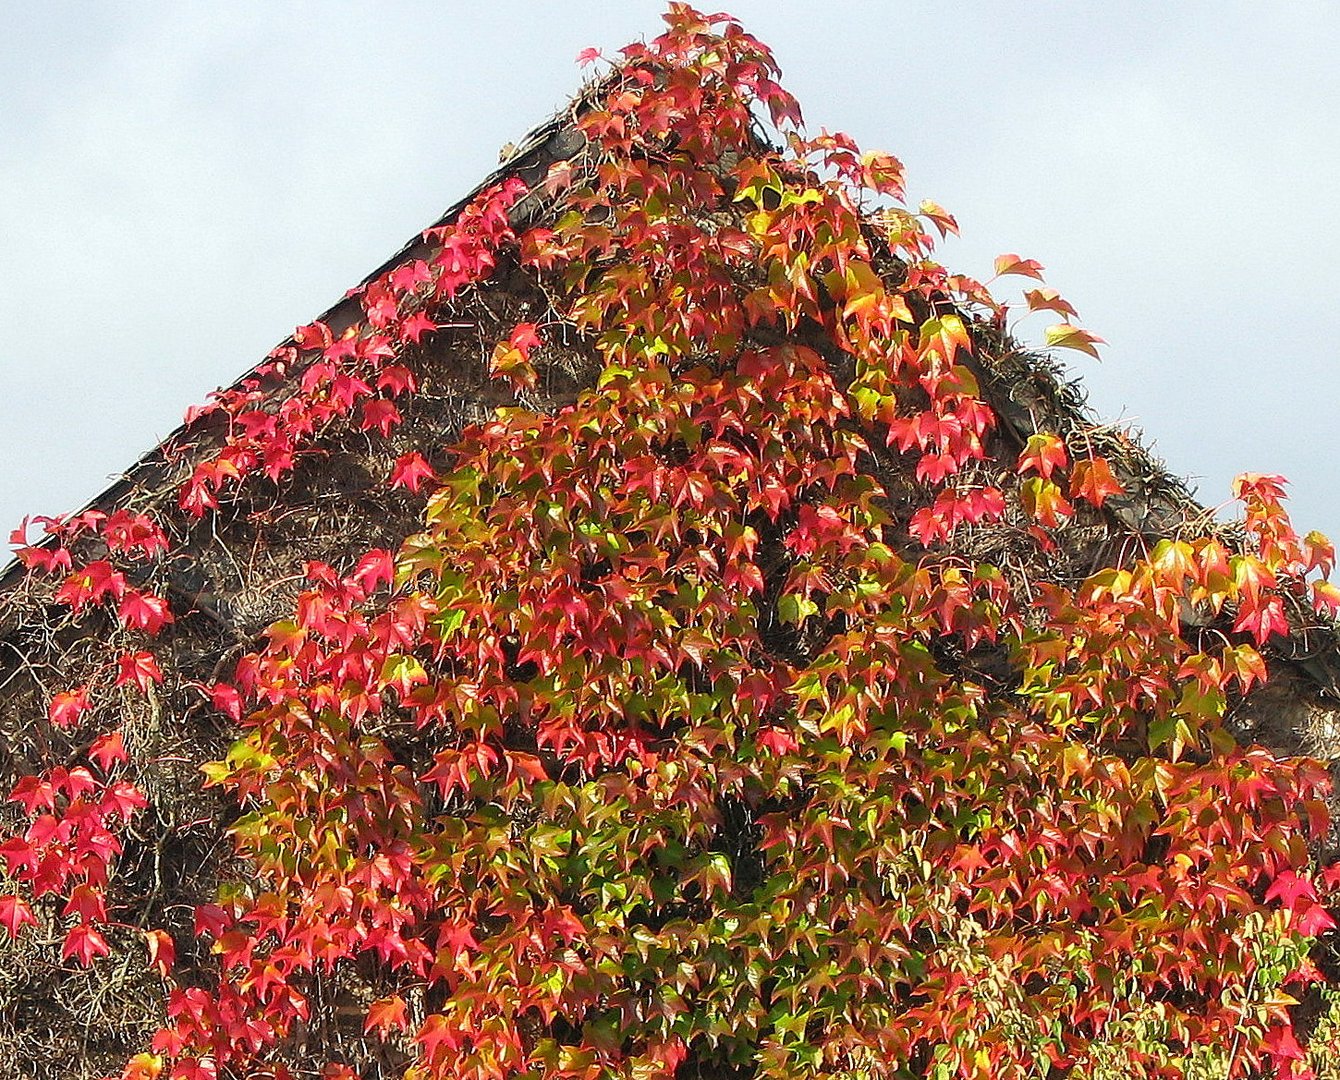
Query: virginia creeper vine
x=685 y=730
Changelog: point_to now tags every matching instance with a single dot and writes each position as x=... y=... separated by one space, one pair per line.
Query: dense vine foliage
x=686 y=732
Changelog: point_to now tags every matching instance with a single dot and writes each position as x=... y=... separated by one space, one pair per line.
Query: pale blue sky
x=181 y=183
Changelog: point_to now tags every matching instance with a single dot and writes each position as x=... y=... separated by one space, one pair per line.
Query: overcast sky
x=182 y=183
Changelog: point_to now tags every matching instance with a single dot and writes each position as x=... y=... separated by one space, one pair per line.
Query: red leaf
x=377 y=566
x=123 y=799
x=135 y=533
x=140 y=668
x=85 y=944
x=777 y=741
x=15 y=914
x=525 y=337
x=1281 y=1044
x=408 y=276
x=411 y=470
x=88 y=903
x=20 y=855
x=398 y=379
x=108 y=750
x=144 y=611
x=195 y=1069
x=589 y=55
x=379 y=305
x=1312 y=920
x=418 y=324
x=316 y=335
x=67 y=706
x=380 y=414
x=211 y=919
x=226 y=699
x=91 y=583
x=75 y=782
x=1289 y=887
x=34 y=792
x=47 y=560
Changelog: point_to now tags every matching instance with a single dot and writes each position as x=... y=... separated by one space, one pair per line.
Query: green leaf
x=795 y=608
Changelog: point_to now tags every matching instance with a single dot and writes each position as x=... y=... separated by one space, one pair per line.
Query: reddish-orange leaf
x=144 y=1066
x=162 y=950
x=941 y=218
x=1326 y=597
x=1015 y=264
x=1043 y=500
x=108 y=750
x=1043 y=454
x=387 y=1014
x=1049 y=300
x=1092 y=480
x=1261 y=616
x=67 y=706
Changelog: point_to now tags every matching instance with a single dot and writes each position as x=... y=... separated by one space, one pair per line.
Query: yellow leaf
x=1069 y=336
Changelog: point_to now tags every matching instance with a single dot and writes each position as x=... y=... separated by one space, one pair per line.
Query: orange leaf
x=1049 y=300
x=1092 y=480
x=162 y=951
x=1014 y=264
x=941 y=218
x=1043 y=501
x=1043 y=454
x=387 y=1014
